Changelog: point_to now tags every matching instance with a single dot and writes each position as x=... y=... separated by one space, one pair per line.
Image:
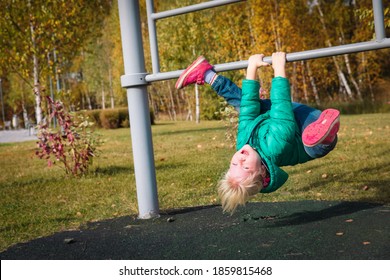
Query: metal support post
x=153 y=37
x=141 y=135
x=379 y=20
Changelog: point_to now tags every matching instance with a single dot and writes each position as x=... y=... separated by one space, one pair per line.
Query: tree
x=30 y=30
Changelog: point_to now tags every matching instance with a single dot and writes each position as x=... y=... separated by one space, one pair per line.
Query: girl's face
x=244 y=162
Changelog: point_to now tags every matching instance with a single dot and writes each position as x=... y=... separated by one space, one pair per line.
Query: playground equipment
x=135 y=80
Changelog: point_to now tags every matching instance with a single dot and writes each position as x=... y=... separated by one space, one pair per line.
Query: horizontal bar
x=339 y=50
x=192 y=8
x=297 y=56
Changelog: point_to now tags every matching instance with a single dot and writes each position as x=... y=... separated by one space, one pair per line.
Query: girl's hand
x=254 y=62
x=279 y=64
x=257 y=60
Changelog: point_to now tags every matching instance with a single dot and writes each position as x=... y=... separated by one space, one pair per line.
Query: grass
x=190 y=158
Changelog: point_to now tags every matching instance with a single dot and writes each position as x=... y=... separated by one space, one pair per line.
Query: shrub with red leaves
x=73 y=143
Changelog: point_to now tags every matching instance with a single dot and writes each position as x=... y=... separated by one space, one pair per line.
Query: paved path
x=309 y=230
x=20 y=135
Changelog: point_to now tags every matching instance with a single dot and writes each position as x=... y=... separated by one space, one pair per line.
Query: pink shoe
x=194 y=73
x=323 y=130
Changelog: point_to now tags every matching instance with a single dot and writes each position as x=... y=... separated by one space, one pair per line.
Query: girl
x=271 y=133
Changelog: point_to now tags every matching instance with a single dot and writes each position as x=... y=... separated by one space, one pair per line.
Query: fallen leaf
x=324 y=176
x=308 y=171
x=69 y=240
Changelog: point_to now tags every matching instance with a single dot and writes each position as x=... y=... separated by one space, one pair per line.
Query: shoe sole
x=325 y=123
x=179 y=83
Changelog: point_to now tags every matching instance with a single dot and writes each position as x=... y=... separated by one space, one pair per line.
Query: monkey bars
x=135 y=80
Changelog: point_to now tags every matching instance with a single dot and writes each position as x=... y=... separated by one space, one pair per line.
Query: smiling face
x=244 y=162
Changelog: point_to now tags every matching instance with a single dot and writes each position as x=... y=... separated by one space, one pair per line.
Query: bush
x=73 y=142
x=229 y=116
x=94 y=116
x=113 y=118
x=109 y=118
x=124 y=117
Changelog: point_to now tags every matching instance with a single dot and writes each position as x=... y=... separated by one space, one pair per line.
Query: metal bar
x=379 y=20
x=153 y=37
x=137 y=97
x=193 y=8
x=297 y=56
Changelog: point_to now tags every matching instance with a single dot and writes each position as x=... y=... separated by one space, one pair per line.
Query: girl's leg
x=228 y=90
x=320 y=150
x=201 y=71
x=232 y=93
x=304 y=116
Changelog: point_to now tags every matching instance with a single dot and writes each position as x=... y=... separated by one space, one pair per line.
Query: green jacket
x=275 y=134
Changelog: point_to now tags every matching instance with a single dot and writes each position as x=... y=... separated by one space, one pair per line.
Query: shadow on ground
x=284 y=230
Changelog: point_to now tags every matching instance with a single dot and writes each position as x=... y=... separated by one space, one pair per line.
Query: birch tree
x=30 y=30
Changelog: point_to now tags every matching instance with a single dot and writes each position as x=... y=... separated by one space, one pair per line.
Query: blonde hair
x=233 y=192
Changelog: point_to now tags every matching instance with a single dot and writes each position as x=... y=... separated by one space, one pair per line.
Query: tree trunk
x=294 y=83
x=88 y=98
x=189 y=114
x=313 y=84
x=349 y=71
x=368 y=78
x=25 y=113
x=103 y=97
x=275 y=27
x=172 y=102
x=251 y=33
x=340 y=73
x=37 y=87
x=304 y=83
x=178 y=104
x=355 y=84
x=152 y=103
x=111 y=89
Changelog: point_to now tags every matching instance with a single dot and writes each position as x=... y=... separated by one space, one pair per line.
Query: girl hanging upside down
x=271 y=133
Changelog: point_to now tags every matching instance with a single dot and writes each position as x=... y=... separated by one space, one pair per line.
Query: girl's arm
x=282 y=127
x=250 y=101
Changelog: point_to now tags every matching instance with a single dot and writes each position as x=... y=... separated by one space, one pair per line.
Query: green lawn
x=37 y=201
